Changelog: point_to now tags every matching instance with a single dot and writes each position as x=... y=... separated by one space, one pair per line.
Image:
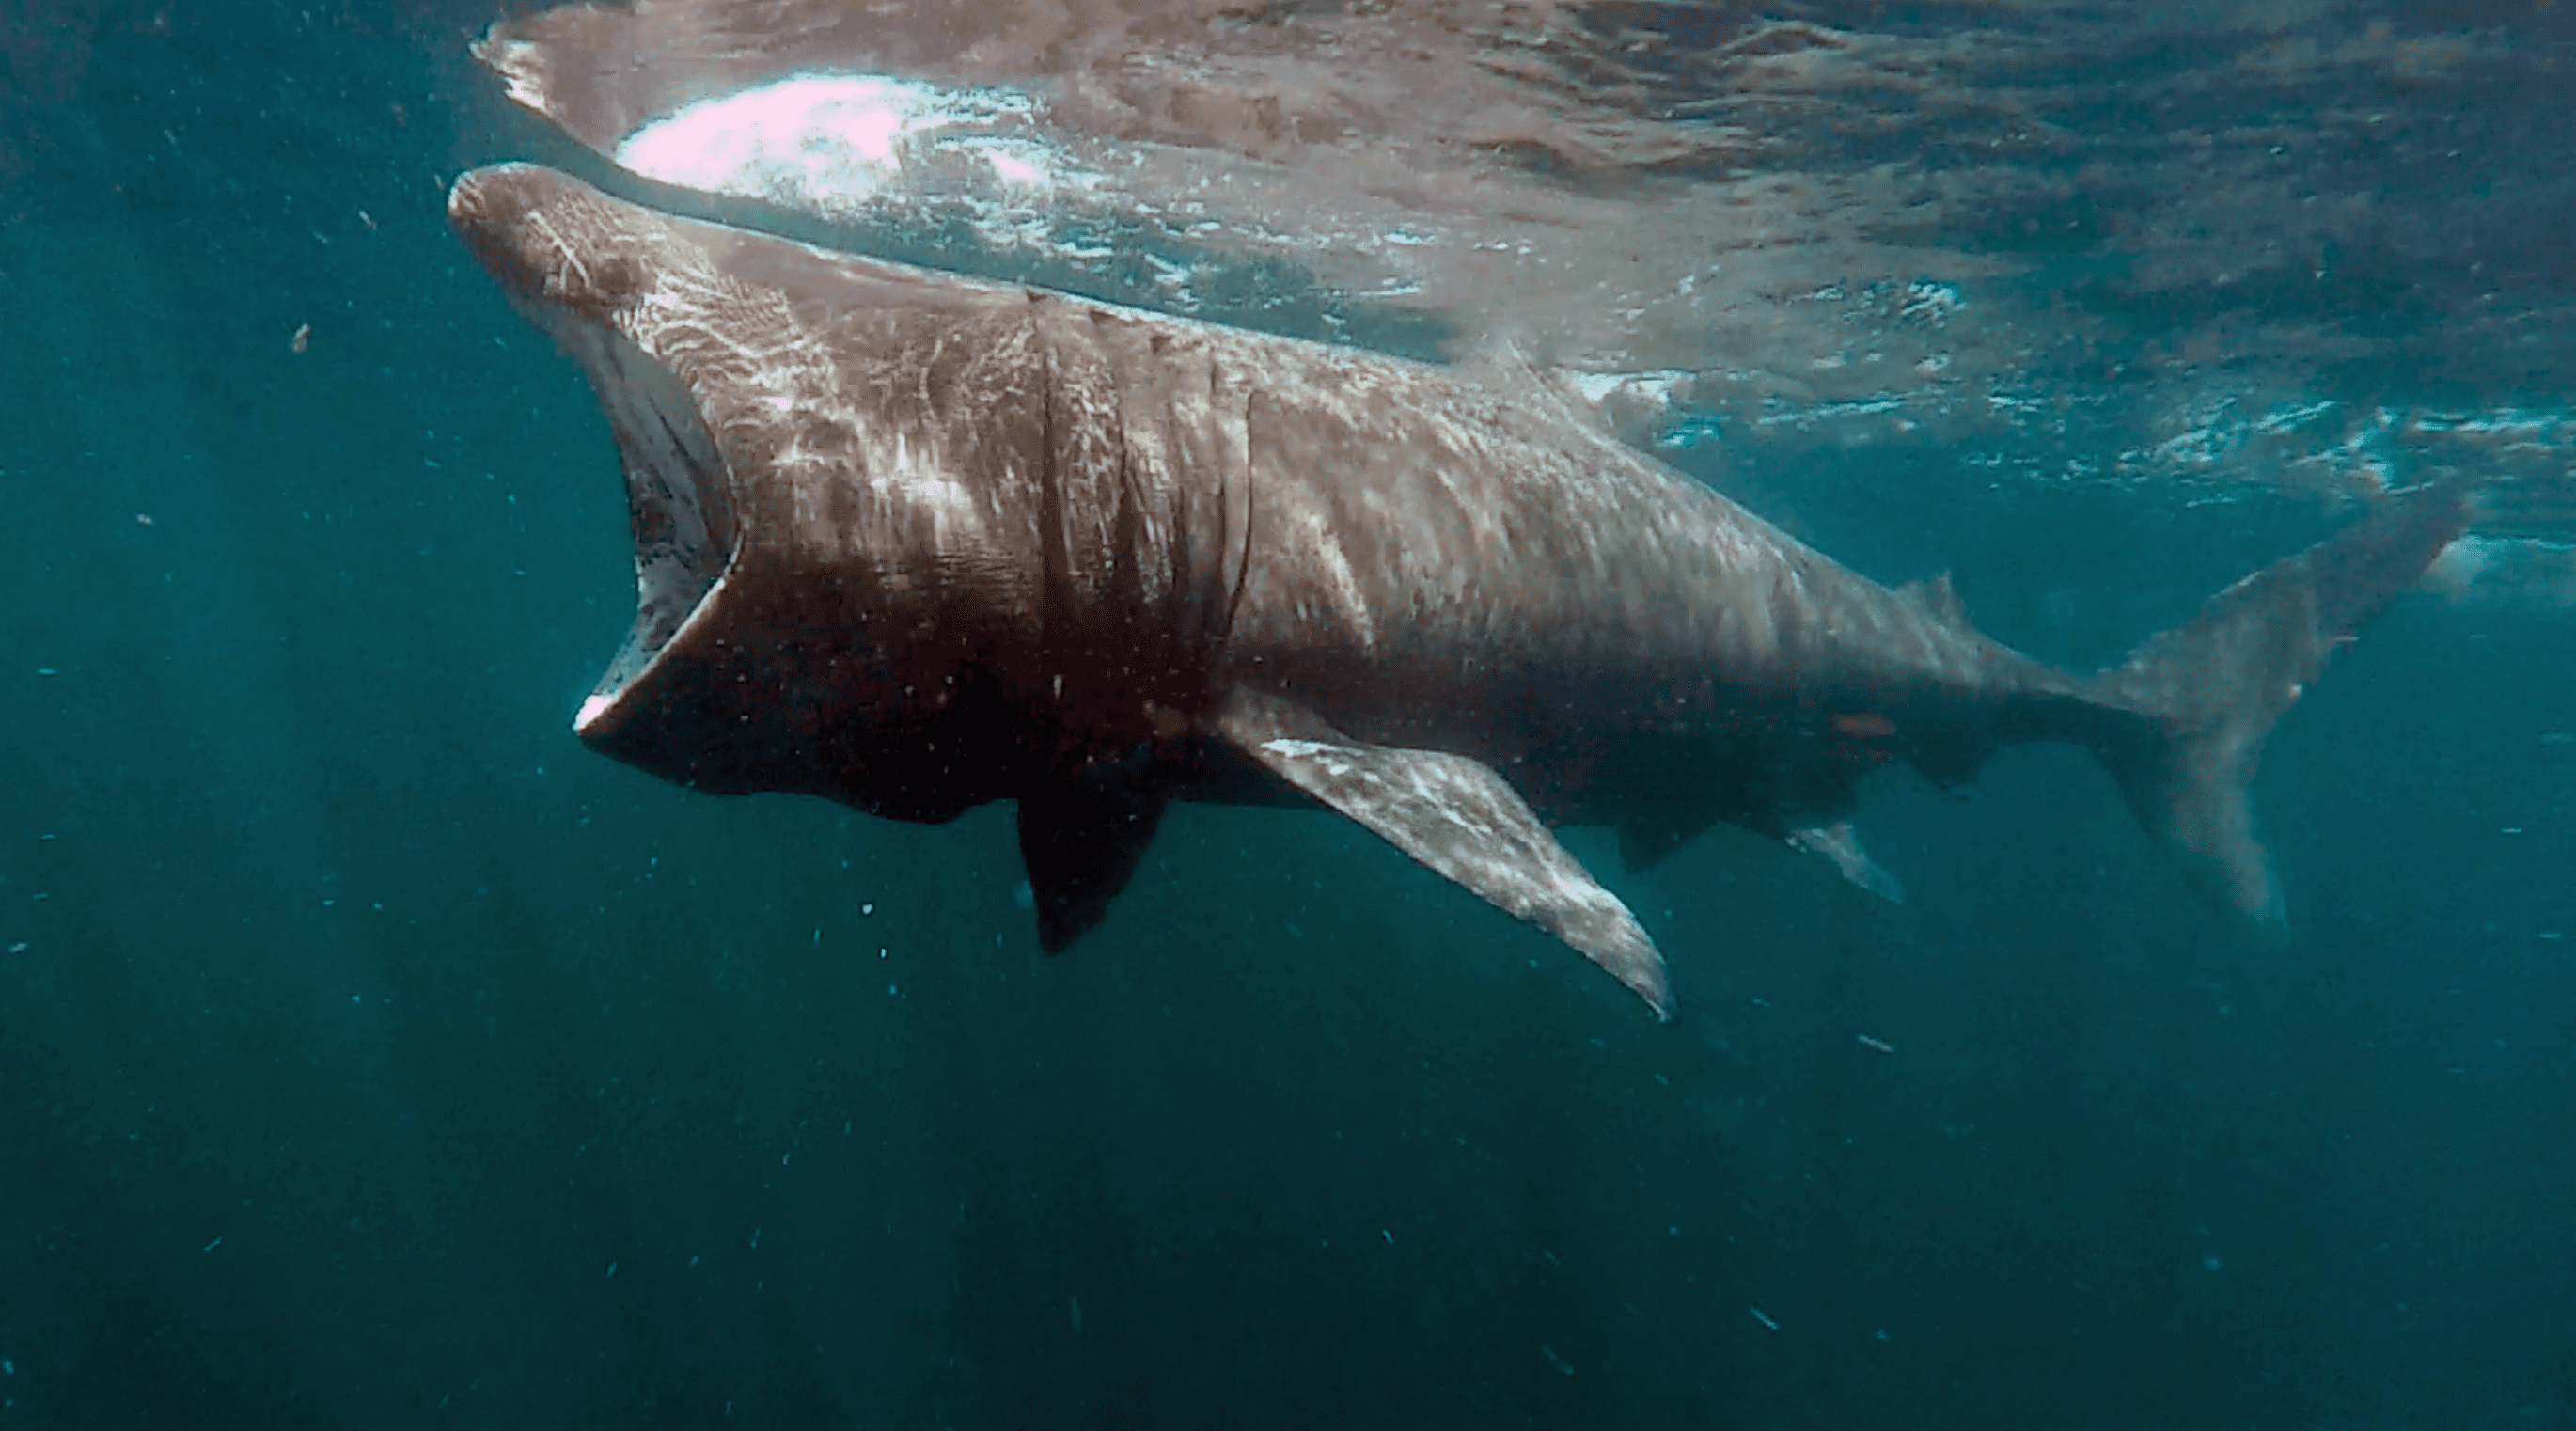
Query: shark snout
x=549 y=239
x=491 y=210
x=577 y=263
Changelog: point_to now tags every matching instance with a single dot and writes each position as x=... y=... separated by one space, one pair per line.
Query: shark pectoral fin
x=1458 y=818
x=1840 y=844
x=1081 y=845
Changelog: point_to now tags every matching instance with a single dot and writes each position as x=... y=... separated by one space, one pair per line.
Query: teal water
x=370 y=1054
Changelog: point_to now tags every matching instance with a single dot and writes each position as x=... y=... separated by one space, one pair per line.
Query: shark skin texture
x=916 y=542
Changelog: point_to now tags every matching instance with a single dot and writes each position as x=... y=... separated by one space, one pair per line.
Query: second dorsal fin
x=1936 y=597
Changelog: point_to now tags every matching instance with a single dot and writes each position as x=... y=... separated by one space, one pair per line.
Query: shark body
x=917 y=542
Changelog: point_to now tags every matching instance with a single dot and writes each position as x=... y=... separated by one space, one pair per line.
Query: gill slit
x=1243 y=557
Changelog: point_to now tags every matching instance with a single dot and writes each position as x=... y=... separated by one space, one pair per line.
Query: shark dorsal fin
x=1460 y=819
x=1506 y=368
x=1936 y=597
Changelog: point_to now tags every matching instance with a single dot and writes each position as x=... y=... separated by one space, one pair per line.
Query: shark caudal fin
x=2214 y=688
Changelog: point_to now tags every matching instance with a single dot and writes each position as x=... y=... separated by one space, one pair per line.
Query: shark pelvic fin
x=1460 y=819
x=1839 y=843
x=1646 y=838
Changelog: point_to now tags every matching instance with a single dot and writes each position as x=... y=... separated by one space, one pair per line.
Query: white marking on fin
x=1460 y=819
x=1840 y=844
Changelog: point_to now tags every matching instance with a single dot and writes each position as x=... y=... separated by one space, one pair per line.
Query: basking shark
x=916 y=542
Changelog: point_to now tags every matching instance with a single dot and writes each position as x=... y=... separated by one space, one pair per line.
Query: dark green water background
x=371 y=1055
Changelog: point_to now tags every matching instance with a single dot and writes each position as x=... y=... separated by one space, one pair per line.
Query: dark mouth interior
x=676 y=492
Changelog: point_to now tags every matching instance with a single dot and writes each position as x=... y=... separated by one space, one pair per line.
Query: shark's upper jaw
x=557 y=252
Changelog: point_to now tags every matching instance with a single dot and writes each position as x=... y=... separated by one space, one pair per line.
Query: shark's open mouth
x=679 y=496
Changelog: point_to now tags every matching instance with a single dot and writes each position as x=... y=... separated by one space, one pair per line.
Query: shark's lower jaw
x=680 y=498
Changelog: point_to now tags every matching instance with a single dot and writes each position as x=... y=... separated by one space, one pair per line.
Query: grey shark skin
x=916 y=542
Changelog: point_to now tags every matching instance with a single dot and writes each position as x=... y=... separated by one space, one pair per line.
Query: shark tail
x=2211 y=690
